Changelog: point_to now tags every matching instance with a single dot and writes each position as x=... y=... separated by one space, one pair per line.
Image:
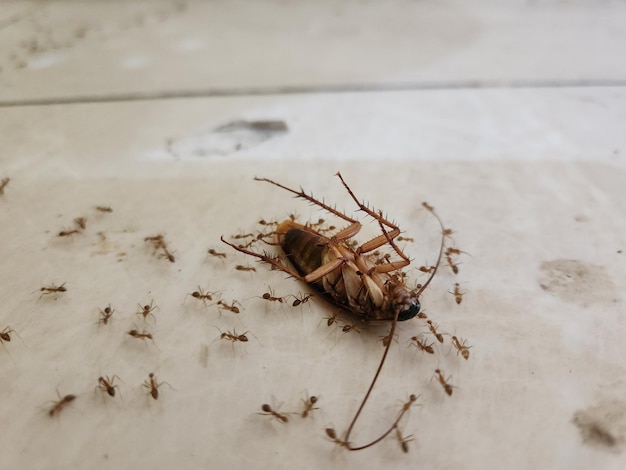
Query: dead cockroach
x=146 y=310
x=244 y=268
x=458 y=295
x=108 y=209
x=80 y=223
x=433 y=329
x=52 y=289
x=106 y=384
x=3 y=184
x=309 y=405
x=60 y=404
x=217 y=254
x=301 y=299
x=268 y=411
x=346 y=274
x=444 y=382
x=422 y=345
x=461 y=347
x=153 y=386
x=202 y=295
x=158 y=243
x=231 y=307
x=105 y=315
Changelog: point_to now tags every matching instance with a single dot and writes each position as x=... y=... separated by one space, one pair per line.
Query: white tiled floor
x=509 y=119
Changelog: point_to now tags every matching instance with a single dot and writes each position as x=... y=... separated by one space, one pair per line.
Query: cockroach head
x=406 y=303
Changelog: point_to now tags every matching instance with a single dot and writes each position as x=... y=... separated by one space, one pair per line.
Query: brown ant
x=104 y=209
x=144 y=335
x=406 y=239
x=153 y=386
x=330 y=432
x=444 y=382
x=301 y=299
x=212 y=252
x=243 y=235
x=332 y=319
x=268 y=411
x=106 y=385
x=147 y=310
x=81 y=223
x=264 y=222
x=59 y=405
x=52 y=289
x=426 y=270
x=239 y=267
x=387 y=339
x=68 y=233
x=158 y=243
x=350 y=327
x=269 y=296
x=3 y=184
x=422 y=345
x=433 y=329
x=458 y=295
x=231 y=307
x=5 y=335
x=201 y=295
x=309 y=405
x=234 y=337
x=404 y=441
x=461 y=347
x=105 y=315
x=451 y=264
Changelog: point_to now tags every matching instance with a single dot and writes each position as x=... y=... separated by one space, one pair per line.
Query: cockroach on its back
x=350 y=276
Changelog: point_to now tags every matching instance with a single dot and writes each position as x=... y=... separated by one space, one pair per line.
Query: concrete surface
x=508 y=119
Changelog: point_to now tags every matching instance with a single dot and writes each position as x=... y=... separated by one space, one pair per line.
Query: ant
x=3 y=184
x=458 y=295
x=244 y=268
x=158 y=243
x=264 y=222
x=105 y=315
x=332 y=319
x=404 y=441
x=444 y=382
x=301 y=299
x=212 y=252
x=80 y=222
x=309 y=405
x=451 y=264
x=59 y=405
x=270 y=296
x=153 y=386
x=423 y=346
x=52 y=289
x=433 y=329
x=104 y=209
x=5 y=335
x=144 y=335
x=106 y=385
x=68 y=233
x=406 y=239
x=243 y=235
x=387 y=339
x=427 y=270
x=147 y=310
x=231 y=307
x=461 y=347
x=270 y=412
x=330 y=432
x=201 y=295
x=234 y=336
x=350 y=327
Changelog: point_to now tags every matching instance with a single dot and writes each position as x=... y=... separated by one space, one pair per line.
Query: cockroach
x=217 y=254
x=146 y=310
x=444 y=382
x=153 y=386
x=52 y=289
x=461 y=347
x=458 y=295
x=309 y=405
x=224 y=306
x=3 y=184
x=108 y=209
x=105 y=315
x=301 y=299
x=202 y=295
x=422 y=345
x=60 y=404
x=268 y=411
x=346 y=274
x=244 y=268
x=106 y=384
x=433 y=329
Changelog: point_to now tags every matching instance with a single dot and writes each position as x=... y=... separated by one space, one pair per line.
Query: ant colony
x=362 y=282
